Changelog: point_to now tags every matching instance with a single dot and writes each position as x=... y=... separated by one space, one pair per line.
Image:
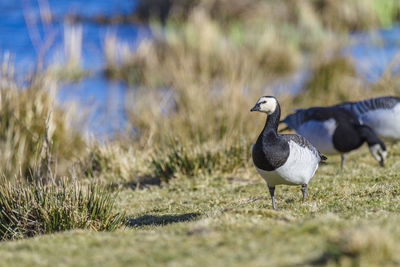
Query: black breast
x=346 y=137
x=269 y=152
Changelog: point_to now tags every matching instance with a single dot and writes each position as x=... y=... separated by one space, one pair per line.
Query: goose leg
x=272 y=193
x=304 y=191
x=343 y=156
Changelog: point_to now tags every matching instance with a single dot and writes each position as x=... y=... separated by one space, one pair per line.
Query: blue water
x=17 y=38
x=103 y=100
x=374 y=51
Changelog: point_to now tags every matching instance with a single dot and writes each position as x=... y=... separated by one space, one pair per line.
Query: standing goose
x=335 y=130
x=382 y=114
x=282 y=158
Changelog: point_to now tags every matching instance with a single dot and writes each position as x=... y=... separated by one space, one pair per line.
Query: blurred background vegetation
x=190 y=82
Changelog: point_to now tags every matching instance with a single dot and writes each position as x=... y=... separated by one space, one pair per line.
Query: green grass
x=191 y=160
x=349 y=218
x=34 y=209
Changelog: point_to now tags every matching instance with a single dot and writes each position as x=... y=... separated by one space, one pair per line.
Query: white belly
x=299 y=168
x=319 y=134
x=384 y=122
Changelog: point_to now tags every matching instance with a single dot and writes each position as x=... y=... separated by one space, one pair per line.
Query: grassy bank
x=350 y=218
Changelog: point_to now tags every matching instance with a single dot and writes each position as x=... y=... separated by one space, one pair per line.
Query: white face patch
x=267 y=104
x=378 y=153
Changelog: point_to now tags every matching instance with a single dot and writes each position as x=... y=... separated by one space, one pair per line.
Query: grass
x=29 y=114
x=193 y=160
x=111 y=162
x=30 y=210
x=350 y=218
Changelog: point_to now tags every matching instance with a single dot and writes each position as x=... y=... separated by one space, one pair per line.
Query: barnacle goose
x=334 y=130
x=282 y=158
x=382 y=114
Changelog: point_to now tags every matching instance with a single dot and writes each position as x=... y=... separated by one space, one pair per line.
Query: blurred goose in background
x=382 y=114
x=282 y=158
x=334 y=130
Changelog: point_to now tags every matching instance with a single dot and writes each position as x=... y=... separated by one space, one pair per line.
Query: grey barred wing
x=363 y=106
x=303 y=142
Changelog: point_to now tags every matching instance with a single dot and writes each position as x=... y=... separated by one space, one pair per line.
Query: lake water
x=375 y=50
x=105 y=98
x=372 y=52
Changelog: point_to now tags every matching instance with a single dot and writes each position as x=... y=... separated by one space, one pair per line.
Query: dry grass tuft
x=28 y=116
x=112 y=162
x=194 y=160
x=204 y=50
x=333 y=79
x=29 y=210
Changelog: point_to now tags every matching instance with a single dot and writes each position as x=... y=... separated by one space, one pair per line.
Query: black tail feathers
x=323 y=157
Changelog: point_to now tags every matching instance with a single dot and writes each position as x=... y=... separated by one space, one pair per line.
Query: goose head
x=378 y=151
x=266 y=104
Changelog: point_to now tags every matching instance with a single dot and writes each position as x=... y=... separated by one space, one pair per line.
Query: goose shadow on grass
x=157 y=220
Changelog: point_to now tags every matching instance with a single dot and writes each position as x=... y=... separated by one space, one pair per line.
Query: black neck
x=273 y=120
x=369 y=136
x=270 y=151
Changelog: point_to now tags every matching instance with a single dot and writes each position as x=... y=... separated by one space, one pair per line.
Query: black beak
x=255 y=108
